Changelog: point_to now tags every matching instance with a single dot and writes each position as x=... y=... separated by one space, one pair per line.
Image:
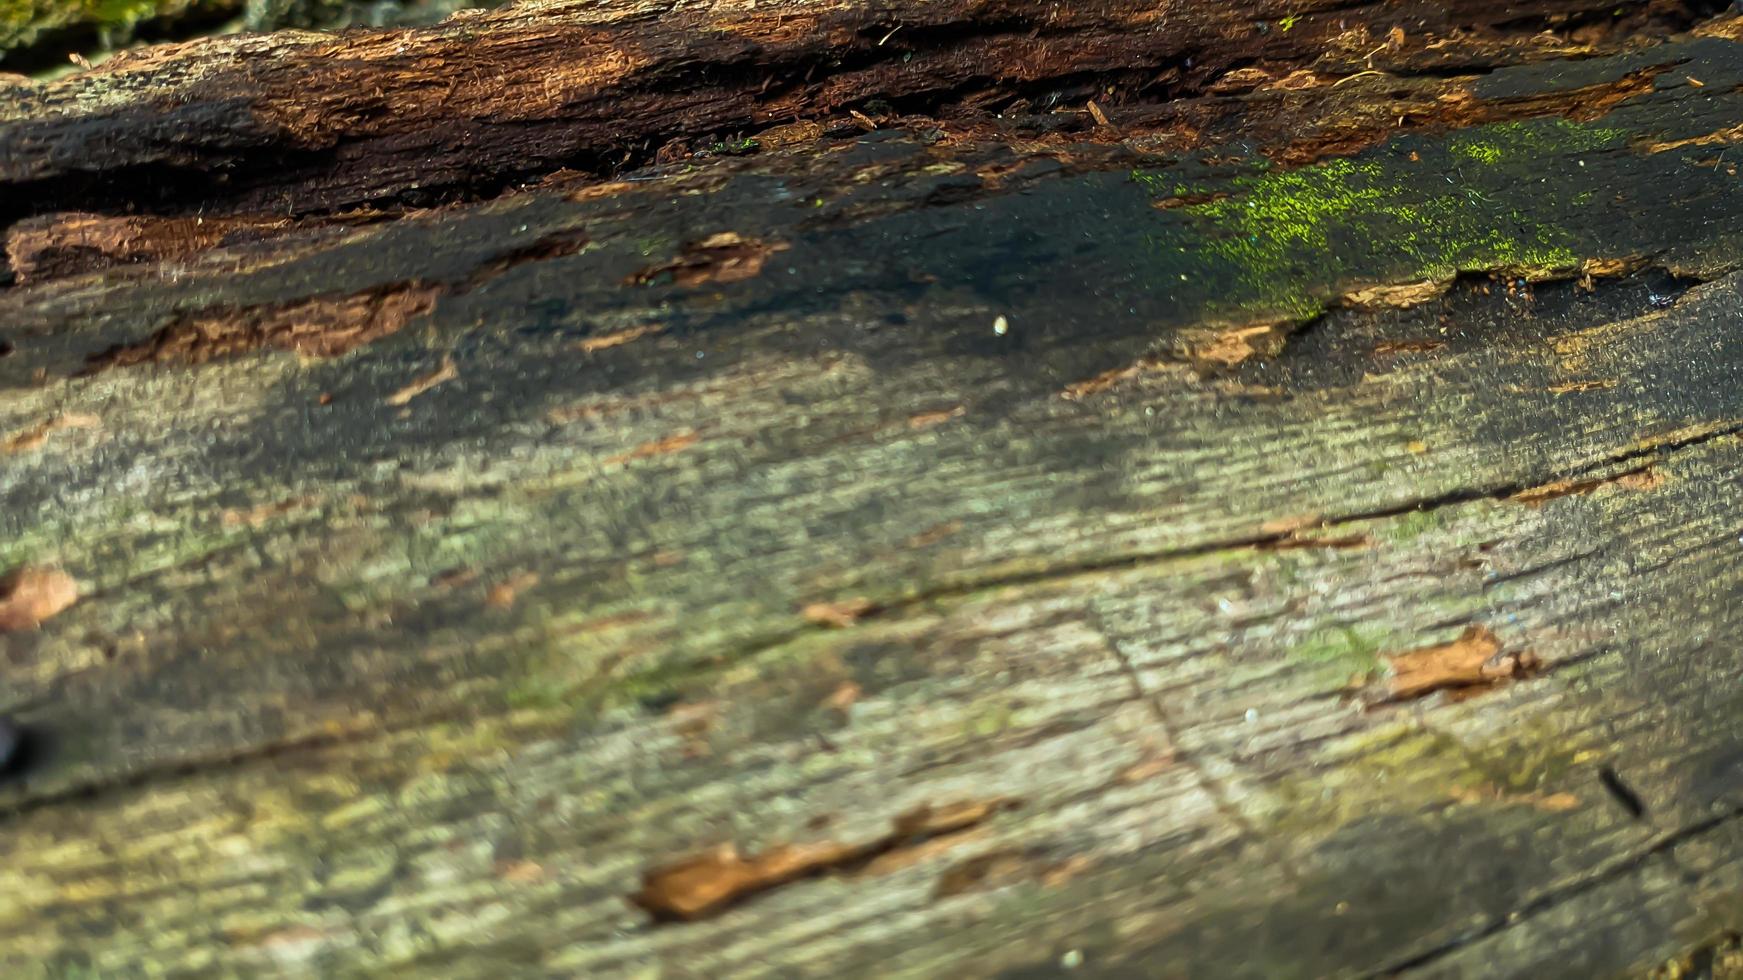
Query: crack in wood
x=1621 y=792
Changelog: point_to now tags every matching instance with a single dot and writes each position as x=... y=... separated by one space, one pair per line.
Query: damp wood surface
x=879 y=490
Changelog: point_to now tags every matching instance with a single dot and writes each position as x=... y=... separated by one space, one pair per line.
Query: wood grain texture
x=964 y=545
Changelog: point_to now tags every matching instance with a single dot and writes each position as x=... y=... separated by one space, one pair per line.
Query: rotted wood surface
x=902 y=489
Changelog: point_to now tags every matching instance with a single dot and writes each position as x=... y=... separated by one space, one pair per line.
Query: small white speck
x=1001 y=326
x=1072 y=959
x=1252 y=715
x=699 y=355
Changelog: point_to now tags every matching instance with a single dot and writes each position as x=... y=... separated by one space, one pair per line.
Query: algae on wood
x=448 y=576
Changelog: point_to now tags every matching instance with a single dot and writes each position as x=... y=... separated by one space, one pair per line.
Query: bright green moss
x=1157 y=184
x=1477 y=151
x=1284 y=243
x=1285 y=216
x=1514 y=141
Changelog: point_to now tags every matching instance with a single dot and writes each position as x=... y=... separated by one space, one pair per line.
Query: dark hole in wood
x=15 y=748
x=1623 y=795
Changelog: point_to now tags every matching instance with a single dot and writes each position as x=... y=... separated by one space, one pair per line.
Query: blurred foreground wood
x=903 y=489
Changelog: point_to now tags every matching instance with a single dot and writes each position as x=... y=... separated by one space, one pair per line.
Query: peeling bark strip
x=326 y=325
x=36 y=436
x=55 y=245
x=310 y=328
x=303 y=122
x=707 y=883
x=725 y=257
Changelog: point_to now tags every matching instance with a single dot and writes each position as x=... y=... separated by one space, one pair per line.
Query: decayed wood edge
x=1583 y=485
x=299 y=122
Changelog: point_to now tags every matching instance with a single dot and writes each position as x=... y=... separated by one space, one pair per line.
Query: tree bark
x=899 y=489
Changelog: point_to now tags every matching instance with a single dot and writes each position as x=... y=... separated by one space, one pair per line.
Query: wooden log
x=298 y=123
x=1274 y=520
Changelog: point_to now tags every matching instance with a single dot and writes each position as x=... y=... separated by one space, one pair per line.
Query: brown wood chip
x=1471 y=660
x=707 y=883
x=30 y=596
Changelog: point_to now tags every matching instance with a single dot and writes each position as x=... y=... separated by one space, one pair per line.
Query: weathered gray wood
x=446 y=573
